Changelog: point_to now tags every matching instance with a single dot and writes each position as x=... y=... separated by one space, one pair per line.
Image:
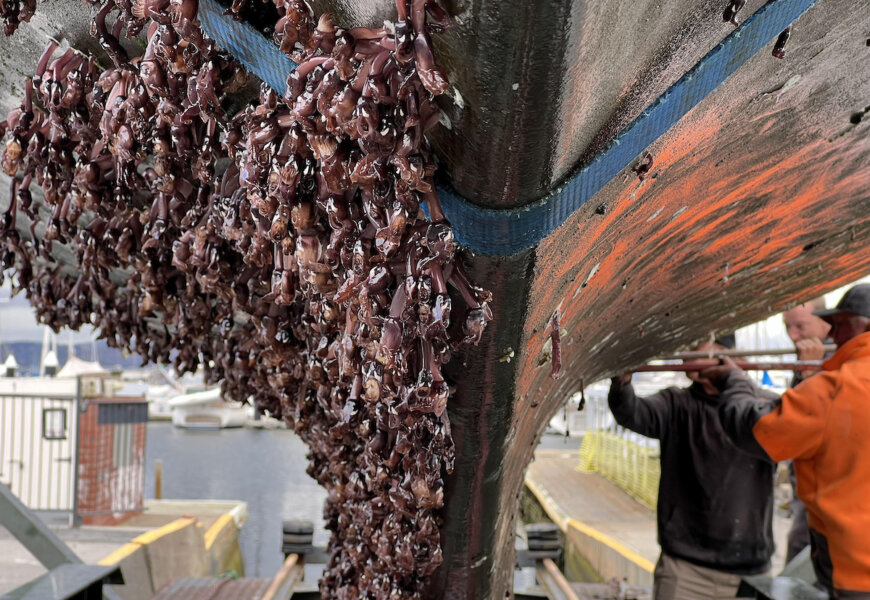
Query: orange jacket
x=824 y=425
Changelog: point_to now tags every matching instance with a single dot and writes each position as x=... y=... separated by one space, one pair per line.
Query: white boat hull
x=207 y=410
x=210 y=417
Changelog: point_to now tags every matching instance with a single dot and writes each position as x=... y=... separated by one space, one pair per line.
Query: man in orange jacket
x=823 y=424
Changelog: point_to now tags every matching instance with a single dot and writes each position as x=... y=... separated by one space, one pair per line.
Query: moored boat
x=207 y=410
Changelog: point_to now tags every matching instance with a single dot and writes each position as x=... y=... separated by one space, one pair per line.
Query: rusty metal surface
x=213 y=588
x=503 y=232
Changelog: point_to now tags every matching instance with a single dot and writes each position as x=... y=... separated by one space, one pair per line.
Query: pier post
x=158 y=479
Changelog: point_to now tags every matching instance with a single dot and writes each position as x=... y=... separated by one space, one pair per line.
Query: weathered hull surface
x=758 y=197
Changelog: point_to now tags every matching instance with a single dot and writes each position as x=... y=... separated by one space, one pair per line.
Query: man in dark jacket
x=715 y=503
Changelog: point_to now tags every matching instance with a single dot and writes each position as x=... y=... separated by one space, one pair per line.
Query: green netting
x=631 y=466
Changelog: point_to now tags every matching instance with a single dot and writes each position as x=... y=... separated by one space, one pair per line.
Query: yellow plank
x=150 y=536
x=216 y=528
x=550 y=507
x=120 y=554
x=596 y=535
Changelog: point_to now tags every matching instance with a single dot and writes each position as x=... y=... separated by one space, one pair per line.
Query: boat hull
x=210 y=417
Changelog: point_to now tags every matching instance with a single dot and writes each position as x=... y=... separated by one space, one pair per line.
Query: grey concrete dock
x=615 y=533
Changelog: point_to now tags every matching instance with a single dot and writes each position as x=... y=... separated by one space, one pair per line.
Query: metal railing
x=628 y=459
x=631 y=466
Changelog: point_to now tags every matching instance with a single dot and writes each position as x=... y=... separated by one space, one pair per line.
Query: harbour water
x=263 y=467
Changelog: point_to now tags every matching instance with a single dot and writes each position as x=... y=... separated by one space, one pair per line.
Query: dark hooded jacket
x=715 y=503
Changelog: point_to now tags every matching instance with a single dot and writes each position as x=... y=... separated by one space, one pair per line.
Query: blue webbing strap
x=247 y=45
x=503 y=232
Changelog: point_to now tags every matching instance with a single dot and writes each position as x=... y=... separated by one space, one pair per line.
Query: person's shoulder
x=859 y=364
x=818 y=387
x=676 y=394
x=766 y=394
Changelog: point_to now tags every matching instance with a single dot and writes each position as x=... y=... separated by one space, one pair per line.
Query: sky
x=18 y=323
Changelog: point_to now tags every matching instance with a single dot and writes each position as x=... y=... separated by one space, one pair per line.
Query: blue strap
x=247 y=45
x=502 y=232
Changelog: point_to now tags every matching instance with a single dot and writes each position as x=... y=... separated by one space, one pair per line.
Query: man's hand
x=810 y=349
x=718 y=374
x=622 y=380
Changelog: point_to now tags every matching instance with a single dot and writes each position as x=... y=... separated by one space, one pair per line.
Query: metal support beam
x=70 y=582
x=33 y=534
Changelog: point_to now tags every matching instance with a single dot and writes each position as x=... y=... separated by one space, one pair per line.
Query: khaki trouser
x=677 y=579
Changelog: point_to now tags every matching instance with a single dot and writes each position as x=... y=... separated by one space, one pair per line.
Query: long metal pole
x=763 y=352
x=559 y=580
x=158 y=479
x=746 y=366
x=282 y=577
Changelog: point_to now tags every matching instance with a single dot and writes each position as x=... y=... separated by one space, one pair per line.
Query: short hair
x=728 y=341
x=818 y=303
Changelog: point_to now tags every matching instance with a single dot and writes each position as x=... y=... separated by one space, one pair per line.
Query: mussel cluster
x=283 y=249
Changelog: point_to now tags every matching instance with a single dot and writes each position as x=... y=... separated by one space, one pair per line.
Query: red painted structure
x=111 y=469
